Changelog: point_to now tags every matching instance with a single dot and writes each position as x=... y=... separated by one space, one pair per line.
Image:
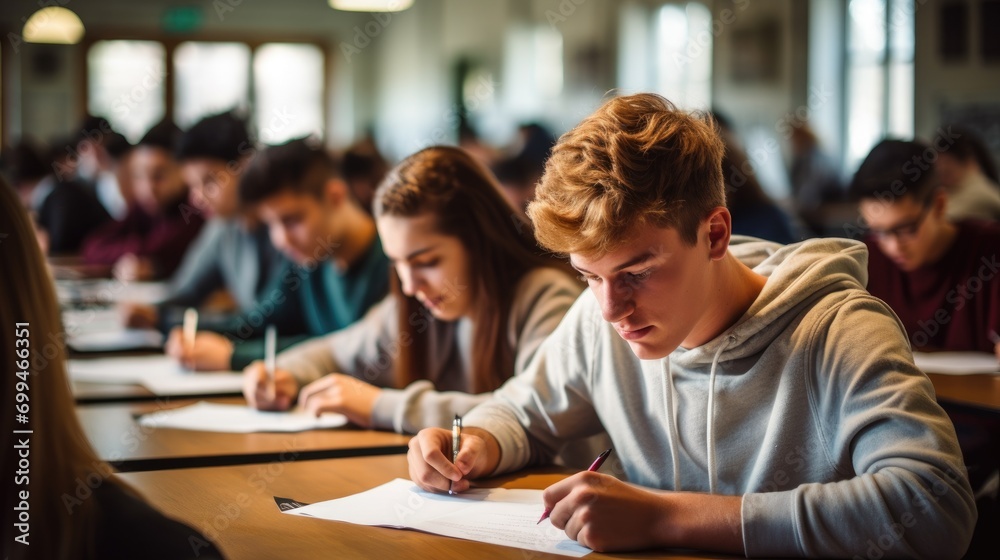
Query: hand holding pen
x=593 y=467
x=434 y=465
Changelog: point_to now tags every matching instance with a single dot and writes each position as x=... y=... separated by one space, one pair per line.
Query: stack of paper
x=490 y=515
x=160 y=374
x=956 y=363
x=211 y=417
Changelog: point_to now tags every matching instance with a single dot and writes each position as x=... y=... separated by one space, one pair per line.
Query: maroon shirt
x=163 y=238
x=949 y=305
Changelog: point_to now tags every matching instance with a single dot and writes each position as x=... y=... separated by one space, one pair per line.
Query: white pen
x=456 y=444
x=270 y=343
x=994 y=337
x=190 y=329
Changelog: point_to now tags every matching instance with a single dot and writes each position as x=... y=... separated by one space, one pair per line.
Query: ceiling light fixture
x=370 y=5
x=53 y=25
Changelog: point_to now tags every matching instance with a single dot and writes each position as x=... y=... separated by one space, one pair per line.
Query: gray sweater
x=368 y=348
x=818 y=417
x=225 y=255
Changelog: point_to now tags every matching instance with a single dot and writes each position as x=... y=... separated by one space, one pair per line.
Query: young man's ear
x=939 y=203
x=335 y=192
x=720 y=225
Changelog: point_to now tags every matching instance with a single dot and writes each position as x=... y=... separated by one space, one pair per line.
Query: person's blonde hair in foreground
x=760 y=400
x=61 y=500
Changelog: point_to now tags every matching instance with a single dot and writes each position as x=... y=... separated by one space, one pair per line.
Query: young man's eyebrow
x=641 y=258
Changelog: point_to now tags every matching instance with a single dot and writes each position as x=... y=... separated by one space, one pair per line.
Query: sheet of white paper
x=160 y=374
x=957 y=363
x=110 y=291
x=490 y=515
x=211 y=417
x=101 y=330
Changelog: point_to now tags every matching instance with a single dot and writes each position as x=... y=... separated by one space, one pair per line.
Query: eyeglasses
x=905 y=230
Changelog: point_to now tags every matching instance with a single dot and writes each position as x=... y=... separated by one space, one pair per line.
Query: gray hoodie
x=809 y=407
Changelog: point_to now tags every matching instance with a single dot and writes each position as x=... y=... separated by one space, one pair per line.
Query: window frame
x=171 y=42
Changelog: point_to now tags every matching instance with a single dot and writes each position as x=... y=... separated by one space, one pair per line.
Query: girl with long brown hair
x=474 y=297
x=62 y=501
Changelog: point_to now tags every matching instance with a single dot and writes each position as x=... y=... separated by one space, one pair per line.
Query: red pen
x=593 y=467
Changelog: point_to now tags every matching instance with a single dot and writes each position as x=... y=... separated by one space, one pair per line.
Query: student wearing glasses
x=937 y=275
x=940 y=277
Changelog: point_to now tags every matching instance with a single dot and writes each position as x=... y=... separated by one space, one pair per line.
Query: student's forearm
x=702 y=521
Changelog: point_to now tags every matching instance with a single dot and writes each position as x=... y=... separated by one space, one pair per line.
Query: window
x=533 y=70
x=684 y=50
x=879 y=81
x=126 y=84
x=669 y=51
x=288 y=86
x=209 y=78
x=283 y=95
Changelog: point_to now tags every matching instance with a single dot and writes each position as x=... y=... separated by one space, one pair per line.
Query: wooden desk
x=982 y=390
x=107 y=392
x=234 y=506
x=119 y=439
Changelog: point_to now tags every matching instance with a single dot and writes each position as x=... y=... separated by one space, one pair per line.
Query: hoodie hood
x=797 y=275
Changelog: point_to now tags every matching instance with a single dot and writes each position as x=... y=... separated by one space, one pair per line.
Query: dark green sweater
x=316 y=299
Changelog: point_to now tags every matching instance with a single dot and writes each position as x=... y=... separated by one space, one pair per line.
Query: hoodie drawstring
x=668 y=405
x=710 y=415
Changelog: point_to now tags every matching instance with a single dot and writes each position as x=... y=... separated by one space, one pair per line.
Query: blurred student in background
x=966 y=169
x=64 y=210
x=233 y=252
x=364 y=169
x=78 y=507
x=937 y=275
x=297 y=191
x=814 y=177
x=753 y=212
x=940 y=277
x=519 y=173
x=160 y=224
x=100 y=150
x=475 y=297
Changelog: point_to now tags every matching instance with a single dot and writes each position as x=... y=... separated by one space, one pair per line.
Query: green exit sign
x=182 y=19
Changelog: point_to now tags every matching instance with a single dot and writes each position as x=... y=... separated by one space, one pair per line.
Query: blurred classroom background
x=806 y=86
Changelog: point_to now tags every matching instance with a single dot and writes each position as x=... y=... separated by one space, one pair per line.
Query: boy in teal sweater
x=338 y=268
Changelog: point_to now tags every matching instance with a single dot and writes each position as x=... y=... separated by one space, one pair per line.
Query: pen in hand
x=456 y=443
x=270 y=342
x=593 y=467
x=994 y=337
x=189 y=331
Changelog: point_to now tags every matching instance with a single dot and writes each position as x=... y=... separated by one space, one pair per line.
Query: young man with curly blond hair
x=760 y=401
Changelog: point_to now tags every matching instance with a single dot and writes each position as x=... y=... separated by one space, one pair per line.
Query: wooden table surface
x=119 y=439
x=85 y=392
x=981 y=390
x=234 y=507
